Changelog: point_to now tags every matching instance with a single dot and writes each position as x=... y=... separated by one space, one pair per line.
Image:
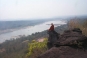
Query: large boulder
x=64 y=52
x=71 y=44
x=71 y=37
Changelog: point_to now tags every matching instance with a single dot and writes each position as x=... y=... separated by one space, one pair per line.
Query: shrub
x=36 y=48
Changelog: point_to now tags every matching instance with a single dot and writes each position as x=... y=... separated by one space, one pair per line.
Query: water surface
x=29 y=30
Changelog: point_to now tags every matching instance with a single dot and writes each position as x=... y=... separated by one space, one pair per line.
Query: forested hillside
x=17 y=24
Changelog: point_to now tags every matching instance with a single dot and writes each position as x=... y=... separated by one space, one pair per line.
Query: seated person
x=52 y=27
x=53 y=36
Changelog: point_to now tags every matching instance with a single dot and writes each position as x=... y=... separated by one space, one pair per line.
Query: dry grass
x=75 y=23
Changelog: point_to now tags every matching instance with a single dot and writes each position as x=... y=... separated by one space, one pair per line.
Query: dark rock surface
x=71 y=37
x=64 y=52
x=71 y=44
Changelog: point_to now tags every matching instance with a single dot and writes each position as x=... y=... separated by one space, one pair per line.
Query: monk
x=52 y=27
x=53 y=36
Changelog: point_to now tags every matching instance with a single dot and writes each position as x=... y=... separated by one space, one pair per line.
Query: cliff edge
x=71 y=44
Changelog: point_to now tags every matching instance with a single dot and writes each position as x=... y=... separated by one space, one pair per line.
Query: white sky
x=35 y=9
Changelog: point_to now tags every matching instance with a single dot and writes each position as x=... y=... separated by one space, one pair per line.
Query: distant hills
x=17 y=24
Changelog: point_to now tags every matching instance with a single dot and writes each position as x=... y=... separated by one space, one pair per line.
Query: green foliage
x=36 y=48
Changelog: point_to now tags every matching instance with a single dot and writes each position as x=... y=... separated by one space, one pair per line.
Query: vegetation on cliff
x=36 y=48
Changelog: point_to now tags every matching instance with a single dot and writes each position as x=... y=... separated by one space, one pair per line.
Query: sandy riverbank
x=40 y=39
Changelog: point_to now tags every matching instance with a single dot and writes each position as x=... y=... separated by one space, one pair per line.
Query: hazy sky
x=34 y=9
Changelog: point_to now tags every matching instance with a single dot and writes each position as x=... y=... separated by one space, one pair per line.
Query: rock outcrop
x=71 y=44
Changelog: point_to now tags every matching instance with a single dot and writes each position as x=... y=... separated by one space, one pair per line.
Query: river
x=29 y=30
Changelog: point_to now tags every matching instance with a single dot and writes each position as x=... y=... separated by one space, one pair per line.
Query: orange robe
x=51 y=28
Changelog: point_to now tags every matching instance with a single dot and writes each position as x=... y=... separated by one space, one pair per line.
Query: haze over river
x=29 y=30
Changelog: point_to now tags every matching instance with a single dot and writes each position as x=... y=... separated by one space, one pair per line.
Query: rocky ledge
x=71 y=44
